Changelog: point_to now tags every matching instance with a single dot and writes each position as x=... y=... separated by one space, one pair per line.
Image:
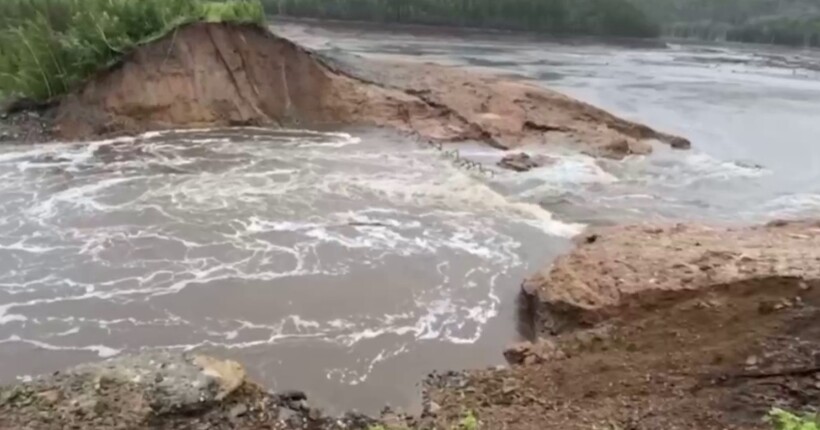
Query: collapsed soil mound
x=659 y=327
x=227 y=74
x=716 y=359
x=622 y=270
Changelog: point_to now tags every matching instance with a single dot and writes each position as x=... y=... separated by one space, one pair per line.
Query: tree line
x=787 y=22
x=782 y=22
x=588 y=17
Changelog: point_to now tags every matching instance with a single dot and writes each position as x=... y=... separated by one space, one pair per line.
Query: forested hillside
x=787 y=22
x=591 y=17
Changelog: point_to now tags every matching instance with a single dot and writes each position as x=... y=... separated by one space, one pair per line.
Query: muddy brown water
x=350 y=264
x=750 y=111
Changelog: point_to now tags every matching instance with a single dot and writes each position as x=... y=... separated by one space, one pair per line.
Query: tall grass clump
x=48 y=46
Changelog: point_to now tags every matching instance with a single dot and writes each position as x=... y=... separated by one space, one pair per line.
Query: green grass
x=468 y=422
x=784 y=420
x=48 y=46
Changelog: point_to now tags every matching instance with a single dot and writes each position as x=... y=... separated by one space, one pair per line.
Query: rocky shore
x=160 y=391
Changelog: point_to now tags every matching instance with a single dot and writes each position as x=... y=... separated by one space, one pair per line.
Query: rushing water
x=323 y=261
x=751 y=113
x=350 y=264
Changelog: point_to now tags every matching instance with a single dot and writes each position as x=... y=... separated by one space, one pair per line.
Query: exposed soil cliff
x=670 y=327
x=714 y=360
x=224 y=74
x=627 y=269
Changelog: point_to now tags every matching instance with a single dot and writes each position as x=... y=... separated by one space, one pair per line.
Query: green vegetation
x=591 y=17
x=48 y=46
x=784 y=420
x=784 y=22
x=469 y=422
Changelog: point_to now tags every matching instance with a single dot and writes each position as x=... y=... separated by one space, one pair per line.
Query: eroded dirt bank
x=659 y=327
x=222 y=75
x=625 y=269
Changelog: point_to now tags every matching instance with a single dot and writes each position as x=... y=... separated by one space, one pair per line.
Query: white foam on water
x=131 y=223
x=793 y=205
x=5 y=319
x=101 y=350
x=683 y=169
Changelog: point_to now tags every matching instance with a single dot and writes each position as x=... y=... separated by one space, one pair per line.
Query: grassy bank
x=49 y=46
x=588 y=17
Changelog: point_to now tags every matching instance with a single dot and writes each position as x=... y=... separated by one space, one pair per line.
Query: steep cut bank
x=617 y=271
x=230 y=74
x=659 y=327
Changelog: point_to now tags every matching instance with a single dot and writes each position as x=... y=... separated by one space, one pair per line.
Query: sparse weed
x=468 y=422
x=785 y=420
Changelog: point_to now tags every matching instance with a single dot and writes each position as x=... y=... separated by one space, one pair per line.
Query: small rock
x=392 y=420
x=50 y=397
x=314 y=414
x=302 y=405
x=528 y=353
x=803 y=286
x=765 y=307
x=783 y=304
x=238 y=410
x=287 y=414
x=752 y=361
x=293 y=395
x=523 y=162
x=227 y=374
x=679 y=143
x=509 y=386
x=435 y=407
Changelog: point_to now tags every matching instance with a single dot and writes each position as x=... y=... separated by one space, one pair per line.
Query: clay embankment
x=665 y=327
x=224 y=75
x=618 y=270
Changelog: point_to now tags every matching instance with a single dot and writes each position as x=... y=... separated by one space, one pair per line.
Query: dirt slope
x=623 y=269
x=664 y=327
x=226 y=74
x=714 y=360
